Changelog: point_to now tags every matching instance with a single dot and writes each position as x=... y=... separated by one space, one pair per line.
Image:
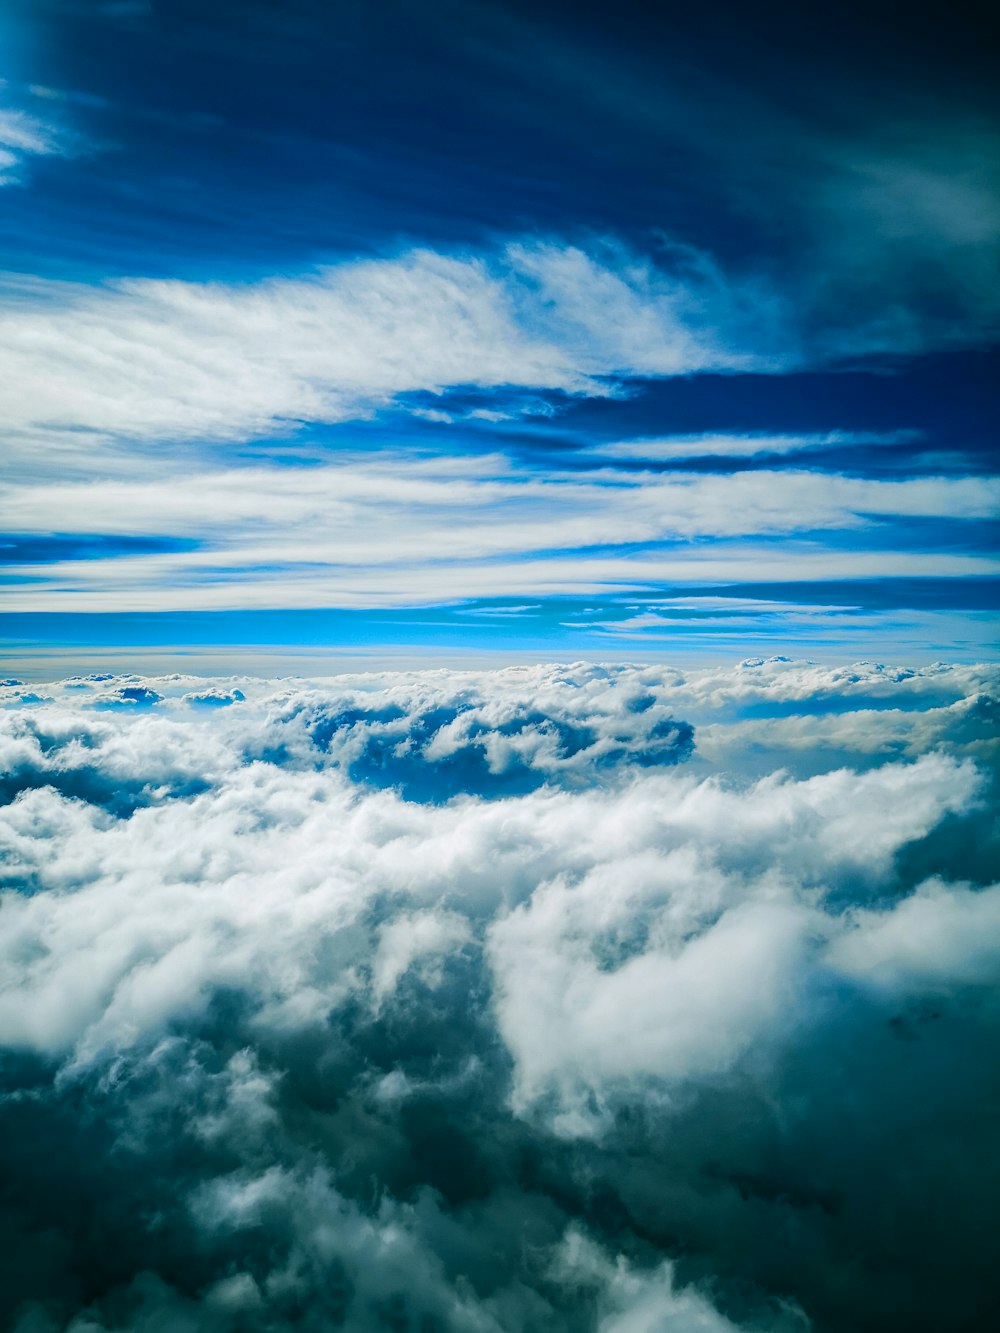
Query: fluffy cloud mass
x=608 y=998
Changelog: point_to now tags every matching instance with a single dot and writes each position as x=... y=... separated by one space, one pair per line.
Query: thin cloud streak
x=679 y=447
x=175 y=583
x=400 y=529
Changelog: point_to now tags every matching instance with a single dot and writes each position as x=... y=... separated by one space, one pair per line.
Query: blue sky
x=497 y=723
x=466 y=331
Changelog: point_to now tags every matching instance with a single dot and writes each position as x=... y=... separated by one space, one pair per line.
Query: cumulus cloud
x=498 y=1001
x=943 y=935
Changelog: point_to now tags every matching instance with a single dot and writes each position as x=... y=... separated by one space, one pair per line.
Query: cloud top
x=456 y=998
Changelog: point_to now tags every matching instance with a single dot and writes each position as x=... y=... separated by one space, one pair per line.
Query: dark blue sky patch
x=41 y=549
x=112 y=793
x=951 y=399
x=413 y=123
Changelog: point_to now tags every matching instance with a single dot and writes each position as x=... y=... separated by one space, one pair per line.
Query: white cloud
x=944 y=935
x=676 y=447
x=152 y=358
x=634 y=1301
x=508 y=504
x=397 y=528
x=137 y=920
x=670 y=1013
x=355 y=1045
x=728 y=926
x=414 y=938
x=23 y=136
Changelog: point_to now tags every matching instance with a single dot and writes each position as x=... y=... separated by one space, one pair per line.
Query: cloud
x=632 y=1043
x=907 y=221
x=23 y=136
x=505 y=497
x=407 y=940
x=148 y=358
x=398 y=528
x=752 y=445
x=667 y=1013
x=630 y=1301
x=437 y=742
x=215 y=698
x=943 y=935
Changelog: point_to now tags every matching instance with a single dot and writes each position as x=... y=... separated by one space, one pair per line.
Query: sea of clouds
x=552 y=998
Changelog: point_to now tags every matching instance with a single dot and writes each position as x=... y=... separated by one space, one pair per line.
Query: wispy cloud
x=147 y=359
x=675 y=448
x=23 y=136
x=401 y=529
x=907 y=224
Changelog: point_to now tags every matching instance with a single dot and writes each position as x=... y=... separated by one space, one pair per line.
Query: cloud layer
x=150 y=358
x=403 y=528
x=485 y=1001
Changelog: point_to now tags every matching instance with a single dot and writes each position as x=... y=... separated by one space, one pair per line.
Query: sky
x=470 y=333
x=499 y=753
